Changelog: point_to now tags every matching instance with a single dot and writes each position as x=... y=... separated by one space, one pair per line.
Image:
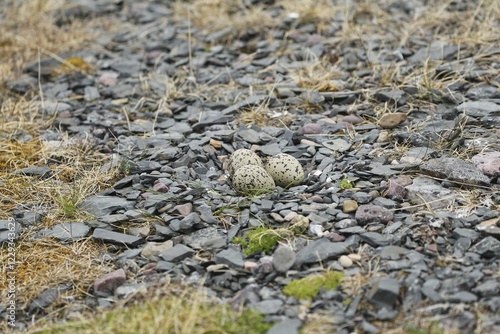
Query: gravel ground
x=398 y=138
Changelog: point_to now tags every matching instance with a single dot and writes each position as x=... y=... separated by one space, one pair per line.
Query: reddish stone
x=109 y=282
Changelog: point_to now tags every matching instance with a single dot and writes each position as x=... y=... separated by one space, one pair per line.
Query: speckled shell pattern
x=284 y=169
x=251 y=179
x=242 y=157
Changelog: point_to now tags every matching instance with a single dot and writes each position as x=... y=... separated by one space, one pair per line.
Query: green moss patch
x=176 y=315
x=307 y=288
x=260 y=239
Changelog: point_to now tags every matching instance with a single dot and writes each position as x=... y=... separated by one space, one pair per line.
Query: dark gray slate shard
x=437 y=50
x=99 y=206
x=385 y=293
x=376 y=239
x=393 y=252
x=143 y=166
x=187 y=223
x=200 y=238
x=286 y=326
x=230 y=257
x=22 y=85
x=283 y=258
x=456 y=170
x=398 y=97
x=269 y=306
x=487 y=112
x=489 y=247
x=42 y=172
x=430 y=192
x=117 y=238
x=66 y=231
x=177 y=253
x=47 y=297
x=319 y=250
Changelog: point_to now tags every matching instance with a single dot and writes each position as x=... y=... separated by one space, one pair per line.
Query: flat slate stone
x=385 y=293
x=427 y=191
x=319 y=250
x=456 y=170
x=286 y=326
x=117 y=238
x=66 y=231
x=177 y=253
x=99 y=206
x=230 y=257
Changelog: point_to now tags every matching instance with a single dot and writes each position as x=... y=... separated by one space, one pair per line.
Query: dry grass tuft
x=319 y=76
x=29 y=32
x=211 y=16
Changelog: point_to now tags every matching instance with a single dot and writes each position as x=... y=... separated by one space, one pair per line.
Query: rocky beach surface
x=396 y=128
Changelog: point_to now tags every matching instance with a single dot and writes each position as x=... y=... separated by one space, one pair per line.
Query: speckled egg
x=252 y=180
x=242 y=157
x=284 y=169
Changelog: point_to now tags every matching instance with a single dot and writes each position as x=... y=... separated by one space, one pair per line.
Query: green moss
x=307 y=288
x=260 y=239
x=346 y=184
x=171 y=315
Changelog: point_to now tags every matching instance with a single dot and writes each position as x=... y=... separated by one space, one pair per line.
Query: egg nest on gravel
x=285 y=170
x=252 y=180
x=242 y=157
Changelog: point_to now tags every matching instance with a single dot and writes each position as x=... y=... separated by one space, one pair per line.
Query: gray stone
x=338 y=145
x=42 y=172
x=455 y=169
x=66 y=231
x=22 y=85
x=397 y=97
x=117 y=238
x=369 y=213
x=200 y=238
x=376 y=239
x=47 y=297
x=466 y=233
x=230 y=257
x=286 y=326
x=459 y=297
x=427 y=191
x=437 y=50
x=393 y=252
x=362 y=197
x=385 y=293
x=283 y=258
x=187 y=223
x=177 y=253
x=99 y=206
x=488 y=288
x=206 y=214
x=488 y=247
x=319 y=250
x=487 y=112
x=144 y=166
x=270 y=306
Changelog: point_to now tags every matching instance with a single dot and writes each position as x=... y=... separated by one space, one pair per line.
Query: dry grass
x=29 y=32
